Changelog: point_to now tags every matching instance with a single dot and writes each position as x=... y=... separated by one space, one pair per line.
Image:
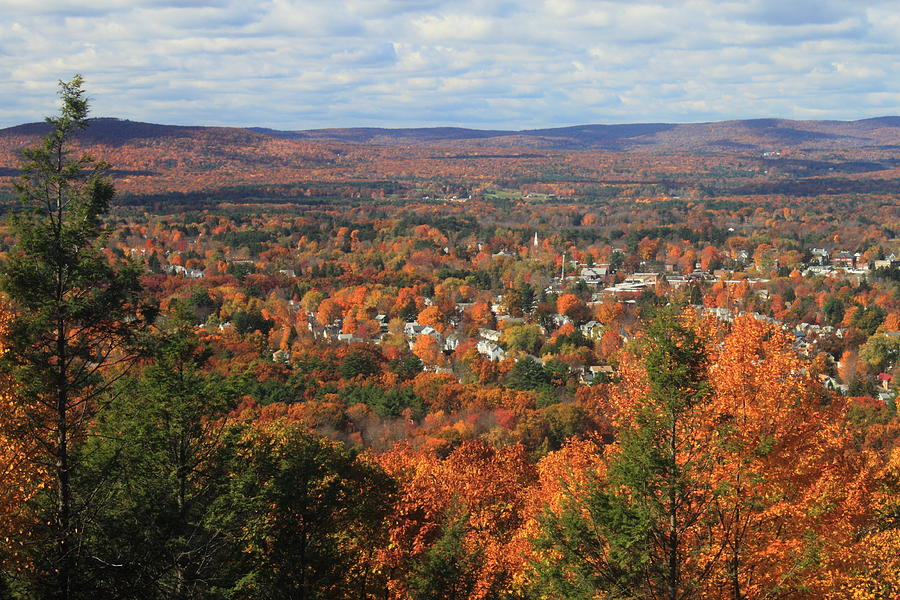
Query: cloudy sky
x=300 y=64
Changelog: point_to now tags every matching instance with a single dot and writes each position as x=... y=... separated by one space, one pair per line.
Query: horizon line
x=471 y=128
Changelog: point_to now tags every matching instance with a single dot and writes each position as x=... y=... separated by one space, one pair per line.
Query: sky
x=487 y=64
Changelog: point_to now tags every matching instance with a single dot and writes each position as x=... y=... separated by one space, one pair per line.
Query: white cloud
x=494 y=63
x=440 y=29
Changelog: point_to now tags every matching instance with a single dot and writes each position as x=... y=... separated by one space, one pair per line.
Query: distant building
x=452 y=341
x=634 y=285
x=592 y=329
x=180 y=270
x=891 y=262
x=560 y=320
x=491 y=335
x=596 y=275
x=819 y=255
x=490 y=350
x=844 y=260
x=648 y=278
x=594 y=372
x=412 y=329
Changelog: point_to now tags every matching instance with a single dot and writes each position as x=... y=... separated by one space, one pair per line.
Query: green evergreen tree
x=360 y=361
x=409 y=311
x=528 y=374
x=833 y=310
x=308 y=516
x=158 y=453
x=527 y=297
x=75 y=318
x=447 y=571
x=695 y=294
x=868 y=318
x=625 y=535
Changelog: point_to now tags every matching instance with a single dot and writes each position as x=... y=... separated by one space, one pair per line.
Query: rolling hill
x=767 y=153
x=737 y=136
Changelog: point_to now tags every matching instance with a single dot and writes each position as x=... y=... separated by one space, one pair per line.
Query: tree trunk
x=733 y=569
x=63 y=483
x=673 y=574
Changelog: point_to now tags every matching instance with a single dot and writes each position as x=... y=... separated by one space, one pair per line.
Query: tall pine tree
x=636 y=532
x=75 y=316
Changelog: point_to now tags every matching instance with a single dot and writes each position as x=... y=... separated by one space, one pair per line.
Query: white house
x=490 y=350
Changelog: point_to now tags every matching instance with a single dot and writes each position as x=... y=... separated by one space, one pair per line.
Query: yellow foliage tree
x=21 y=477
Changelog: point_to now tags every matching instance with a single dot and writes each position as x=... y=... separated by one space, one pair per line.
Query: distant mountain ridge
x=753 y=134
x=724 y=136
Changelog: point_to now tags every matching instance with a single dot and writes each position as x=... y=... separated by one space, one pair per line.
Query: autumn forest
x=634 y=363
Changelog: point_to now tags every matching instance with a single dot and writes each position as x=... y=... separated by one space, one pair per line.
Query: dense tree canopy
x=388 y=373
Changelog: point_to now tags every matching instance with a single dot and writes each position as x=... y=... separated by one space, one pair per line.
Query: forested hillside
x=449 y=365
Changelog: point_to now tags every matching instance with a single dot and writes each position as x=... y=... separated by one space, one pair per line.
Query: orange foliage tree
x=428 y=348
x=782 y=467
x=868 y=568
x=478 y=489
x=21 y=476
